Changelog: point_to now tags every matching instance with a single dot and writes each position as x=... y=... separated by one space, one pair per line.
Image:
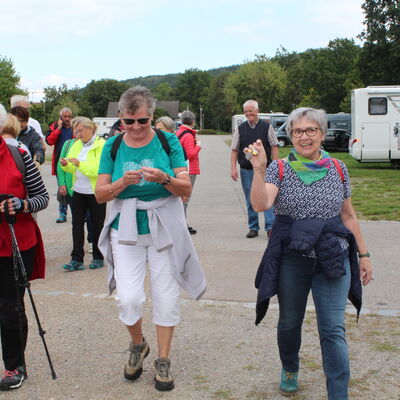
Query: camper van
x=276 y=120
x=375 y=135
x=104 y=125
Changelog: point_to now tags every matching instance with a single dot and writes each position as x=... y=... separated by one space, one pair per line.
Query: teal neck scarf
x=309 y=171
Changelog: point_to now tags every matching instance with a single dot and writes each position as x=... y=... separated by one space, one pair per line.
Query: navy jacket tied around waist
x=302 y=236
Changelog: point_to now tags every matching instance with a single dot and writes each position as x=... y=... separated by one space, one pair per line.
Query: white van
x=375 y=134
x=276 y=119
x=104 y=125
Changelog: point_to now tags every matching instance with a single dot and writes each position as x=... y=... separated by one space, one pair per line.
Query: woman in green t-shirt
x=144 y=180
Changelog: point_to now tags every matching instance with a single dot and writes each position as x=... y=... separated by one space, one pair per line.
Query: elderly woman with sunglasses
x=143 y=174
x=316 y=245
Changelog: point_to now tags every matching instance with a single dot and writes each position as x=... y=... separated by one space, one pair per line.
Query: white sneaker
x=90 y=248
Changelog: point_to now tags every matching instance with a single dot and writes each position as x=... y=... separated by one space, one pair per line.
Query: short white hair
x=66 y=109
x=251 y=103
x=3 y=116
x=17 y=98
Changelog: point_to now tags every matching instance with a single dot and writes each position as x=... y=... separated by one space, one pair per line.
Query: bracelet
x=167 y=180
x=111 y=191
x=182 y=172
x=363 y=255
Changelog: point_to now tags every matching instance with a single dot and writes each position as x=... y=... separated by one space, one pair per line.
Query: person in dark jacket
x=28 y=136
x=59 y=132
x=314 y=244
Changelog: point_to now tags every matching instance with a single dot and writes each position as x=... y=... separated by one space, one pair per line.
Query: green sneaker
x=96 y=264
x=289 y=385
x=134 y=367
x=74 y=266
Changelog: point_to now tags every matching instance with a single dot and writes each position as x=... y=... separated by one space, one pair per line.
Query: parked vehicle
x=276 y=120
x=335 y=121
x=375 y=135
x=337 y=139
x=103 y=126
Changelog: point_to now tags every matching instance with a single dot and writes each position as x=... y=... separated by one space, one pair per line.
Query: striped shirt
x=38 y=197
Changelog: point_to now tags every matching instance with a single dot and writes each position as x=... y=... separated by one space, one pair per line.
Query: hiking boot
x=252 y=234
x=96 y=264
x=62 y=218
x=162 y=379
x=74 y=265
x=134 y=367
x=289 y=385
x=12 y=379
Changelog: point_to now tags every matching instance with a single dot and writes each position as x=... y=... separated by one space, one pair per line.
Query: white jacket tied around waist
x=169 y=233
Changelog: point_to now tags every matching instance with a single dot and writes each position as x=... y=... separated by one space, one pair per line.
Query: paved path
x=217 y=352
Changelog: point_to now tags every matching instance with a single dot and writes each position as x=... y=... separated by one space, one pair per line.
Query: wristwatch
x=364 y=255
x=167 y=180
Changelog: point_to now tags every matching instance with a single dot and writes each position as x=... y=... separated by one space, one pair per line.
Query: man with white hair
x=248 y=132
x=59 y=132
x=3 y=117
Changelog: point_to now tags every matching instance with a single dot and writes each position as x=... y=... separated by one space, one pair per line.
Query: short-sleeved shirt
x=134 y=158
x=322 y=199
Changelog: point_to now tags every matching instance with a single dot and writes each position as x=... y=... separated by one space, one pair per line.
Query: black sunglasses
x=131 y=121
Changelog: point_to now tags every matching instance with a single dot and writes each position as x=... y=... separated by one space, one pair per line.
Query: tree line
x=321 y=78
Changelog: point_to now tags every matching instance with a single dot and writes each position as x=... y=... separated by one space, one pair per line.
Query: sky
x=76 y=41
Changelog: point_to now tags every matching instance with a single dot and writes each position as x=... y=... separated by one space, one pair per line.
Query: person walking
x=143 y=174
x=316 y=245
x=248 y=132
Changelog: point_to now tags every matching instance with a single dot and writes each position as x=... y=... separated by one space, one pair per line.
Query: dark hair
x=20 y=112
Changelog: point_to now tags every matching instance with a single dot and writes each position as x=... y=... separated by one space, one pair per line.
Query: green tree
x=193 y=87
x=99 y=93
x=9 y=81
x=262 y=80
x=380 y=57
x=163 y=91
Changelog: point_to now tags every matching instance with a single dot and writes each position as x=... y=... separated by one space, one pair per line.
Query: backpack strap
x=184 y=133
x=19 y=161
x=338 y=168
x=280 y=169
x=161 y=137
x=163 y=140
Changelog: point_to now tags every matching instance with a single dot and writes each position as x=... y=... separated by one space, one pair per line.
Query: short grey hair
x=167 y=122
x=251 y=103
x=136 y=97
x=66 y=109
x=18 y=98
x=312 y=114
x=3 y=116
x=187 y=117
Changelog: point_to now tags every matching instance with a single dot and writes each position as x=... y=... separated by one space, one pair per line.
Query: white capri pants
x=130 y=270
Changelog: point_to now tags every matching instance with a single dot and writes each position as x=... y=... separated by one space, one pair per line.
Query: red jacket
x=26 y=230
x=188 y=142
x=52 y=139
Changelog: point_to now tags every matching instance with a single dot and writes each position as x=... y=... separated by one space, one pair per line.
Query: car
x=282 y=136
x=337 y=139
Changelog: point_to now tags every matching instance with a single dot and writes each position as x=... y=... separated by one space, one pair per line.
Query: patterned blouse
x=322 y=199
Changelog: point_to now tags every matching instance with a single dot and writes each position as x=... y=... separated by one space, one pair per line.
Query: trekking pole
x=25 y=283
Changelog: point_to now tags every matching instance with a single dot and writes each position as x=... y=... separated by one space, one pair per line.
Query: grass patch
x=386 y=347
x=223 y=394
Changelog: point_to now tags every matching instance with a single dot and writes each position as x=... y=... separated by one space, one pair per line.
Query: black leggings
x=9 y=315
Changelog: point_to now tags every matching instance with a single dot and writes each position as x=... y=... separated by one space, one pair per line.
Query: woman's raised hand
x=258 y=158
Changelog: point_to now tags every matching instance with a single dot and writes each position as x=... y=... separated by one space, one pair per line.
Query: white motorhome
x=104 y=125
x=375 y=122
x=276 y=119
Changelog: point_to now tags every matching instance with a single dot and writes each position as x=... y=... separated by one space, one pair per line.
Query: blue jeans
x=62 y=208
x=246 y=177
x=297 y=276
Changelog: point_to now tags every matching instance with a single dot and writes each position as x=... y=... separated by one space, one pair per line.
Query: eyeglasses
x=310 y=131
x=131 y=121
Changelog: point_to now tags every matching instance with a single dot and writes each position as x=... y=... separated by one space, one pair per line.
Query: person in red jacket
x=28 y=195
x=188 y=138
x=60 y=131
